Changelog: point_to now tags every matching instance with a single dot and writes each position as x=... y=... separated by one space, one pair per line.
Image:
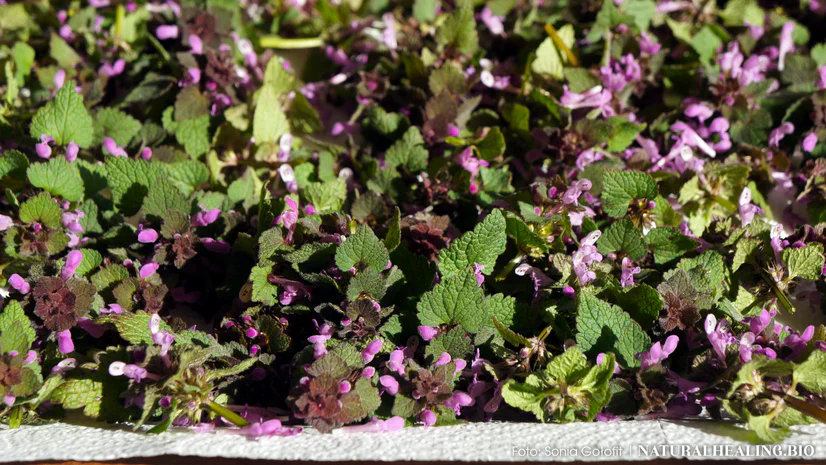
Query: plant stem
x=801 y=406
x=561 y=45
x=226 y=413
x=781 y=296
x=284 y=43
x=509 y=267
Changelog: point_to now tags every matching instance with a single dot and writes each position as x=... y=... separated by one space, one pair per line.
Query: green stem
x=781 y=296
x=226 y=413
x=802 y=406
x=284 y=43
x=561 y=45
x=728 y=205
x=157 y=45
x=509 y=267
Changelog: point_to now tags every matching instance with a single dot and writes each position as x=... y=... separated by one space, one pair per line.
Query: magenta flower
x=427 y=333
x=112 y=70
x=477 y=271
x=325 y=332
x=293 y=290
x=388 y=35
x=166 y=32
x=72 y=262
x=595 y=97
x=539 y=278
x=747 y=209
x=148 y=270
x=64 y=342
x=377 y=425
x=268 y=428
x=659 y=352
x=494 y=23
x=571 y=196
x=288 y=176
x=458 y=400
x=443 y=359
x=43 y=148
x=428 y=417
x=472 y=164
x=288 y=218
x=601 y=358
x=780 y=133
x=205 y=217
x=59 y=79
x=71 y=151
x=71 y=220
x=6 y=222
x=19 y=284
x=113 y=148
x=196 y=44
x=147 y=236
x=748 y=348
x=786 y=44
x=586 y=255
x=810 y=141
x=391 y=386
x=822 y=83
x=371 y=350
x=719 y=335
x=797 y=342
x=628 y=272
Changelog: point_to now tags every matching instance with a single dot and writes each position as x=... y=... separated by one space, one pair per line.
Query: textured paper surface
x=471 y=442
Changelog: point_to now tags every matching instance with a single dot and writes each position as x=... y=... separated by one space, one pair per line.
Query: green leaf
x=459 y=31
x=623 y=133
x=528 y=395
x=456 y=342
x=743 y=251
x=408 y=152
x=13 y=164
x=162 y=198
x=642 y=302
x=58 y=177
x=804 y=262
x=14 y=313
x=364 y=249
x=483 y=245
x=91 y=260
x=603 y=327
x=623 y=187
x=326 y=197
x=85 y=393
x=622 y=236
x=711 y=266
x=424 y=10
x=492 y=145
x=549 y=61
x=187 y=175
x=811 y=373
x=65 y=119
x=133 y=327
x=118 y=125
x=130 y=180
x=41 y=209
x=457 y=300
x=193 y=134
x=525 y=238
x=706 y=43
x=63 y=53
x=269 y=121
x=15 y=338
x=668 y=244
x=394 y=233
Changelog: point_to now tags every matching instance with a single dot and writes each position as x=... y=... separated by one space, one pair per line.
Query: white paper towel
x=471 y=442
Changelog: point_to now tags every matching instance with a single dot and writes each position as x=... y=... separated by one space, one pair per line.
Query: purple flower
x=43 y=148
x=196 y=44
x=288 y=218
x=389 y=33
x=19 y=284
x=72 y=262
x=65 y=32
x=391 y=386
x=205 y=217
x=779 y=133
x=595 y=97
x=293 y=290
x=628 y=272
x=689 y=137
x=112 y=70
x=428 y=417
x=786 y=44
x=71 y=151
x=472 y=165
x=586 y=255
x=268 y=428
x=147 y=236
x=325 y=332
x=64 y=342
x=822 y=84
x=571 y=196
x=658 y=352
x=6 y=222
x=71 y=220
x=59 y=79
x=810 y=141
x=699 y=111
x=148 y=270
x=747 y=209
x=601 y=358
x=458 y=400
x=166 y=32
x=443 y=359
x=427 y=333
x=371 y=350
x=67 y=364
x=719 y=335
x=797 y=342
x=285 y=145
x=376 y=425
x=218 y=246
x=112 y=147
x=748 y=348
x=539 y=278
x=648 y=46
x=493 y=22
x=477 y=271
x=134 y=372
x=619 y=74
x=288 y=176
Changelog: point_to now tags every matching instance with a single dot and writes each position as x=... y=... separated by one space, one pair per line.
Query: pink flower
x=113 y=148
x=594 y=97
x=659 y=352
x=205 y=217
x=166 y=32
x=71 y=151
x=64 y=342
x=148 y=270
x=196 y=44
x=779 y=133
x=112 y=70
x=628 y=272
x=72 y=262
x=147 y=236
x=71 y=220
x=427 y=333
x=477 y=271
x=391 y=386
x=428 y=417
x=493 y=22
x=586 y=255
x=371 y=350
x=59 y=79
x=747 y=209
x=810 y=141
x=19 y=284
x=6 y=222
x=786 y=44
x=43 y=148
x=389 y=32
x=376 y=425
x=458 y=400
x=293 y=290
x=571 y=196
